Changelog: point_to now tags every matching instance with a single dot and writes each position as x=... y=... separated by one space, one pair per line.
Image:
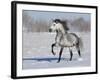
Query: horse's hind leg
x=78 y=50
x=60 y=54
x=52 y=46
x=79 y=53
x=71 y=54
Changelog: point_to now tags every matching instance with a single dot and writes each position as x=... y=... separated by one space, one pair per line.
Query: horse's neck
x=60 y=35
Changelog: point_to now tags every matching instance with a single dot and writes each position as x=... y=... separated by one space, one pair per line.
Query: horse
x=64 y=39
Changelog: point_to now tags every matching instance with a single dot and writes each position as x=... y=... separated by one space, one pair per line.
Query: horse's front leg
x=60 y=54
x=52 y=46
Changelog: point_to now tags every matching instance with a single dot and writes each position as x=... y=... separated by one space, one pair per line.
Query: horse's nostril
x=50 y=30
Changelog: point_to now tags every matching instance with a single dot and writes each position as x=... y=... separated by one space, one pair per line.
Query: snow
x=37 y=51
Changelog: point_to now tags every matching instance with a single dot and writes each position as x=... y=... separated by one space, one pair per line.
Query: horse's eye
x=54 y=24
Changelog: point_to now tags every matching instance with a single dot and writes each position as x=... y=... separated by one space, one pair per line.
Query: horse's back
x=74 y=35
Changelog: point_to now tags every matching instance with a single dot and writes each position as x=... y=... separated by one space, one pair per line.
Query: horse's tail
x=81 y=46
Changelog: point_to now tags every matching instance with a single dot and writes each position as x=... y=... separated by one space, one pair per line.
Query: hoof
x=53 y=53
x=58 y=61
x=70 y=59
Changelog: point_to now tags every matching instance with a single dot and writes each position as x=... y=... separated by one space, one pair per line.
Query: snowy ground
x=37 y=52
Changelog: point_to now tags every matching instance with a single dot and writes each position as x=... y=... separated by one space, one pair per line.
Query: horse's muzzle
x=50 y=30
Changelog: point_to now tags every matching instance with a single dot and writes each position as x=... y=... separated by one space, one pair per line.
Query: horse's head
x=57 y=25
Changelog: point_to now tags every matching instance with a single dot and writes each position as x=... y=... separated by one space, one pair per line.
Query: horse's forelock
x=57 y=21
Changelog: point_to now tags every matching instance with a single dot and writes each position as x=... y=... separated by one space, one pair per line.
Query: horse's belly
x=64 y=43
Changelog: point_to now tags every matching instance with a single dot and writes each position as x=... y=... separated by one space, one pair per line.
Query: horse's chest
x=58 y=38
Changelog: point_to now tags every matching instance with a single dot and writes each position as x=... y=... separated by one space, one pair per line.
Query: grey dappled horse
x=64 y=39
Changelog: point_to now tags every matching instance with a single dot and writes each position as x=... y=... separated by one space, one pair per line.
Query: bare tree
x=27 y=22
x=34 y=25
